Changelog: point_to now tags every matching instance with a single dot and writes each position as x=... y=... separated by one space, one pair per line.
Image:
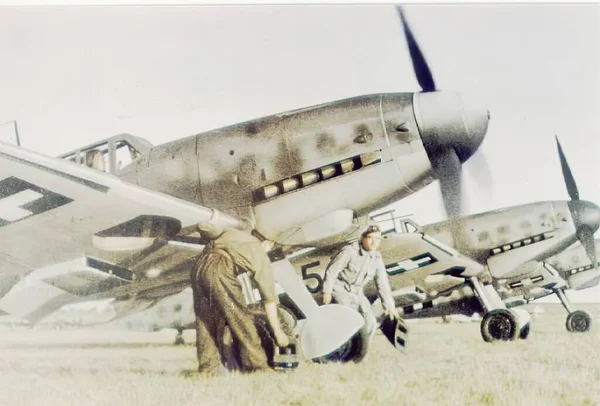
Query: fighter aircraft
x=526 y=245
x=300 y=178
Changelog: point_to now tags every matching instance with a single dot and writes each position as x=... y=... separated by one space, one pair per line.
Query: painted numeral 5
x=307 y=276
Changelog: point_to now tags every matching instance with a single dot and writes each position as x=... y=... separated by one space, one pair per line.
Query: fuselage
x=527 y=249
x=303 y=176
x=507 y=238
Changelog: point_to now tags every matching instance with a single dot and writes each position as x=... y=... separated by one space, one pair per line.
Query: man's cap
x=209 y=231
x=374 y=228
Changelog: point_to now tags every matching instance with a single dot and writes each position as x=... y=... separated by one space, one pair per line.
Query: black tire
x=579 y=322
x=524 y=333
x=499 y=325
x=288 y=320
x=569 y=329
x=353 y=350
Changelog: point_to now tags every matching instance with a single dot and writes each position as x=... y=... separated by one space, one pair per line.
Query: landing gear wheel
x=579 y=322
x=352 y=350
x=524 y=332
x=499 y=325
x=287 y=319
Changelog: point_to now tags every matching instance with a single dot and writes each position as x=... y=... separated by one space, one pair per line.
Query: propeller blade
x=567 y=175
x=586 y=237
x=422 y=71
x=447 y=169
x=479 y=167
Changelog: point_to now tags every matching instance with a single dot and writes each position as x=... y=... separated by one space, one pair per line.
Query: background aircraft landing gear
x=578 y=321
x=499 y=325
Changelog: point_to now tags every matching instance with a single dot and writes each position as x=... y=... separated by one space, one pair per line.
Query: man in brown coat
x=231 y=259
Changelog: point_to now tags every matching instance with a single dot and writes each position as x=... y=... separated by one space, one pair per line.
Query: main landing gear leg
x=578 y=321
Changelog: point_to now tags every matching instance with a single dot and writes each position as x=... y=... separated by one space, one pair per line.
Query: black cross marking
x=36 y=200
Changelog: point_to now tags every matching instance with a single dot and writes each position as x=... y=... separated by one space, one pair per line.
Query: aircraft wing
x=53 y=211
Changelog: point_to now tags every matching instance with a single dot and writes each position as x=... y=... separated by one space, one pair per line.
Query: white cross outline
x=409 y=264
x=10 y=209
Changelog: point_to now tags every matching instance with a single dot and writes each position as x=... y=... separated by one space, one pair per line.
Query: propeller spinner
x=586 y=215
x=451 y=131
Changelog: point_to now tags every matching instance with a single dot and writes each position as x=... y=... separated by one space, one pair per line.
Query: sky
x=72 y=75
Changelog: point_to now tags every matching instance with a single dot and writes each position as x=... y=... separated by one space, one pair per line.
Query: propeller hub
x=585 y=214
x=446 y=123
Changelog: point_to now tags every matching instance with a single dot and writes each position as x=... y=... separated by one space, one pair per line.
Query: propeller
x=447 y=168
x=422 y=71
x=586 y=215
x=567 y=174
x=451 y=132
x=481 y=172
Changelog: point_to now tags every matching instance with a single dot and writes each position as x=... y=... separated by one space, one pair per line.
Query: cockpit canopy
x=110 y=154
x=390 y=224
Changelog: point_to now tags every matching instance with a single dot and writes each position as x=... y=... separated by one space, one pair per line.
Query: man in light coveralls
x=350 y=270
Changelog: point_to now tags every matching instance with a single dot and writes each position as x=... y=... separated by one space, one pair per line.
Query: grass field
x=445 y=364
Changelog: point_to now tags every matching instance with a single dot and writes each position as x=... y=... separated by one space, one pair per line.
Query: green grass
x=445 y=364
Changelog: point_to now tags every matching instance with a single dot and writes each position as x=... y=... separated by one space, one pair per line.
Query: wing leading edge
x=53 y=211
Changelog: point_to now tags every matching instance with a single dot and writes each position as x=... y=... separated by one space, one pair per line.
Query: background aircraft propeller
x=567 y=174
x=586 y=215
x=446 y=147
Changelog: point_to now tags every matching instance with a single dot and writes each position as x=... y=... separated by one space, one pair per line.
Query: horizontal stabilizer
x=326 y=327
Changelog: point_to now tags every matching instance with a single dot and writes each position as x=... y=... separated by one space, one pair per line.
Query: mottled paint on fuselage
x=227 y=168
x=530 y=231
